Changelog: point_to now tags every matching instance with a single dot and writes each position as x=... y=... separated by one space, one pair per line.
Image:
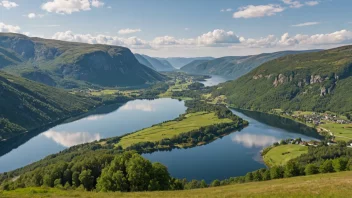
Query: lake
x=214 y=80
x=233 y=155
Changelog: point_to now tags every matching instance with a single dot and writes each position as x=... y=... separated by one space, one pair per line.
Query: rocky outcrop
x=316 y=79
x=281 y=79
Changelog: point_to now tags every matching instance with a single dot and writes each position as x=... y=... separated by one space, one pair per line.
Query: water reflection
x=140 y=106
x=214 y=80
x=68 y=139
x=253 y=140
x=94 y=117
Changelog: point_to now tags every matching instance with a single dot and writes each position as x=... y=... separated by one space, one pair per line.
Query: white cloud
x=306 y=24
x=97 y=3
x=8 y=4
x=252 y=11
x=217 y=37
x=70 y=6
x=293 y=4
x=298 y=4
x=129 y=31
x=226 y=10
x=131 y=42
x=312 y=3
x=9 y=28
x=34 y=15
x=254 y=141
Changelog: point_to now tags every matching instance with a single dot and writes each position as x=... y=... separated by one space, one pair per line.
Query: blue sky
x=186 y=27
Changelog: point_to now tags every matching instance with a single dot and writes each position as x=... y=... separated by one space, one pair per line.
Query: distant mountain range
x=69 y=65
x=178 y=62
x=154 y=63
x=233 y=66
x=315 y=81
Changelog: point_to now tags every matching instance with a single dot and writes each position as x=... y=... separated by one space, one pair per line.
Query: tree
x=311 y=169
x=215 y=183
x=203 y=184
x=276 y=172
x=340 y=164
x=67 y=177
x=48 y=181
x=291 y=169
x=266 y=175
x=257 y=175
x=161 y=177
x=138 y=173
x=57 y=183
x=192 y=184
x=75 y=179
x=86 y=179
x=326 y=167
x=249 y=177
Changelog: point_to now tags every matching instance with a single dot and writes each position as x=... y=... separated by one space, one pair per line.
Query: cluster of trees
x=125 y=172
x=196 y=86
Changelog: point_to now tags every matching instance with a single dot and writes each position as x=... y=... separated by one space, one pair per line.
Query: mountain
x=233 y=66
x=26 y=105
x=68 y=64
x=158 y=65
x=178 y=62
x=315 y=81
x=143 y=61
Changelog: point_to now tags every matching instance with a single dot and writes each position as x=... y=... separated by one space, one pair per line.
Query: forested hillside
x=233 y=66
x=69 y=65
x=158 y=65
x=26 y=105
x=318 y=81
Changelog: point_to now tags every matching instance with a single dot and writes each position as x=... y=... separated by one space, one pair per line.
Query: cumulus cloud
x=252 y=11
x=97 y=3
x=217 y=37
x=131 y=42
x=129 y=31
x=9 y=28
x=70 y=6
x=8 y=4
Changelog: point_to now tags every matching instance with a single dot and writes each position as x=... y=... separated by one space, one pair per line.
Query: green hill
x=26 y=105
x=233 y=66
x=68 y=64
x=323 y=185
x=316 y=81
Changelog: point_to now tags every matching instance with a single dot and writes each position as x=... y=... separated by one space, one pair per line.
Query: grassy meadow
x=280 y=155
x=171 y=128
x=321 y=185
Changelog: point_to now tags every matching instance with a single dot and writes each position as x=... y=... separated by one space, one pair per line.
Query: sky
x=185 y=28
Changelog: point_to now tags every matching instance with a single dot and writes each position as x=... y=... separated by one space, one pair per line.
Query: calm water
x=235 y=154
x=105 y=122
x=214 y=80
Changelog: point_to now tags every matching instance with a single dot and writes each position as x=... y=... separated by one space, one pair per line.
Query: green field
x=340 y=131
x=280 y=155
x=322 y=185
x=171 y=128
x=179 y=86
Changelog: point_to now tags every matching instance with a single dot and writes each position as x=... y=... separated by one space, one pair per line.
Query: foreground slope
x=323 y=185
x=26 y=105
x=316 y=81
x=68 y=64
x=233 y=66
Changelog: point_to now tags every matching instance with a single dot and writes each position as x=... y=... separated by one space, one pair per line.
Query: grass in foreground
x=169 y=129
x=280 y=155
x=322 y=185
